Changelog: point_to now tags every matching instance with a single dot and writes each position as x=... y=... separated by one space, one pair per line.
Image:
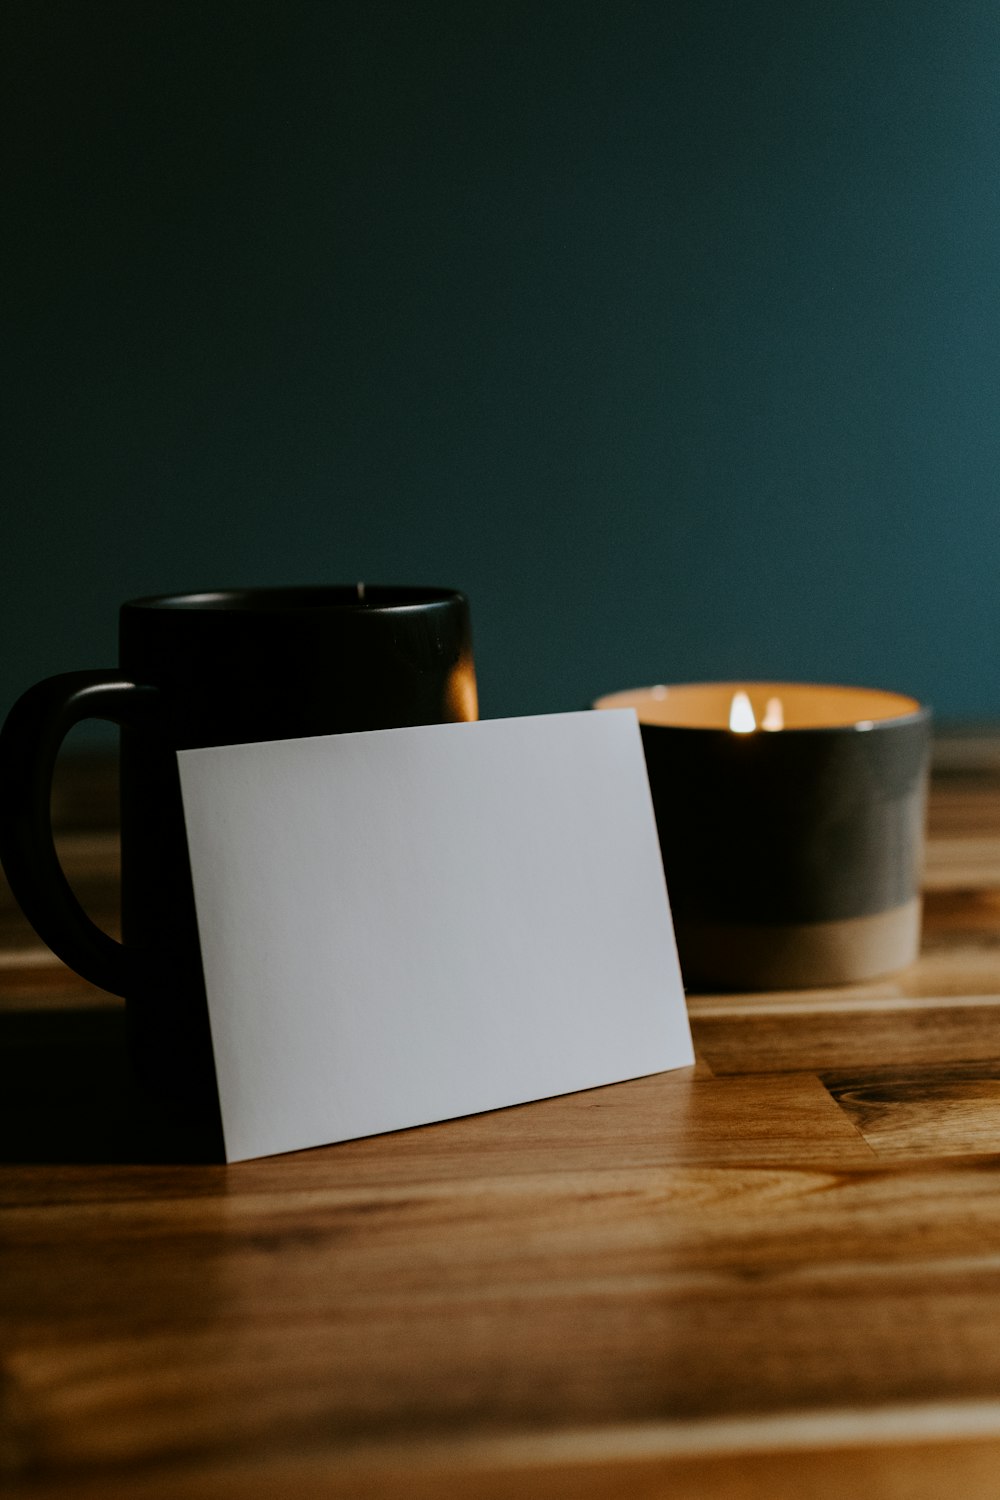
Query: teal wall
x=668 y=331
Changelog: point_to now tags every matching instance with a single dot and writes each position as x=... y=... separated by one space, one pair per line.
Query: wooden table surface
x=775 y=1274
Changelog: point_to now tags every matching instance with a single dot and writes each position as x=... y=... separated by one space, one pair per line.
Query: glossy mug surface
x=217 y=668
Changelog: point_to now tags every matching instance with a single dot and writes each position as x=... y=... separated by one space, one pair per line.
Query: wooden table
x=776 y=1274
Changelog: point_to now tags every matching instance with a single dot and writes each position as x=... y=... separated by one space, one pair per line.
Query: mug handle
x=29 y=743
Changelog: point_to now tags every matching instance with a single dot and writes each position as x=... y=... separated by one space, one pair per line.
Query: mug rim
x=345 y=598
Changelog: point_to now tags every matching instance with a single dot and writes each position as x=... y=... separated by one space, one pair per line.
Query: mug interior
x=358 y=596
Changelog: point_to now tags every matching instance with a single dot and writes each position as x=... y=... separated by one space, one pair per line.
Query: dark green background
x=670 y=332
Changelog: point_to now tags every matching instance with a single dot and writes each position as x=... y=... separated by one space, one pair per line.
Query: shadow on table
x=68 y=1095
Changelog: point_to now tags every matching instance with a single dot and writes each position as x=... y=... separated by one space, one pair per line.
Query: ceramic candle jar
x=791 y=820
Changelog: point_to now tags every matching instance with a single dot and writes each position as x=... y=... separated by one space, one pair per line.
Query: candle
x=790 y=818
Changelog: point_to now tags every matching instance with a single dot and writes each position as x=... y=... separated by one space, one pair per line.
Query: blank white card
x=413 y=924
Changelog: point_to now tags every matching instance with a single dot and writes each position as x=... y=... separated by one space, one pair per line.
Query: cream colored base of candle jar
x=738 y=956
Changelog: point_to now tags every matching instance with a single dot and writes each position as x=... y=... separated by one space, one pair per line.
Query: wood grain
x=776 y=1274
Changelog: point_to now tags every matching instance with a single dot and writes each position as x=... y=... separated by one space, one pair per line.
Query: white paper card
x=413 y=924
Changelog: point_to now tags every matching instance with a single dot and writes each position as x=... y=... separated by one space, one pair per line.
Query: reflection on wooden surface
x=776 y=1274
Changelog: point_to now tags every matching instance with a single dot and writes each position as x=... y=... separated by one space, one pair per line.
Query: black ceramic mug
x=208 y=669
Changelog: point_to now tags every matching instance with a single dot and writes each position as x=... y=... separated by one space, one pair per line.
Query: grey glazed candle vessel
x=791 y=822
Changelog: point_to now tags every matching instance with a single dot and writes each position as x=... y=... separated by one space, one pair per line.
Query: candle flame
x=774 y=715
x=741 y=715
